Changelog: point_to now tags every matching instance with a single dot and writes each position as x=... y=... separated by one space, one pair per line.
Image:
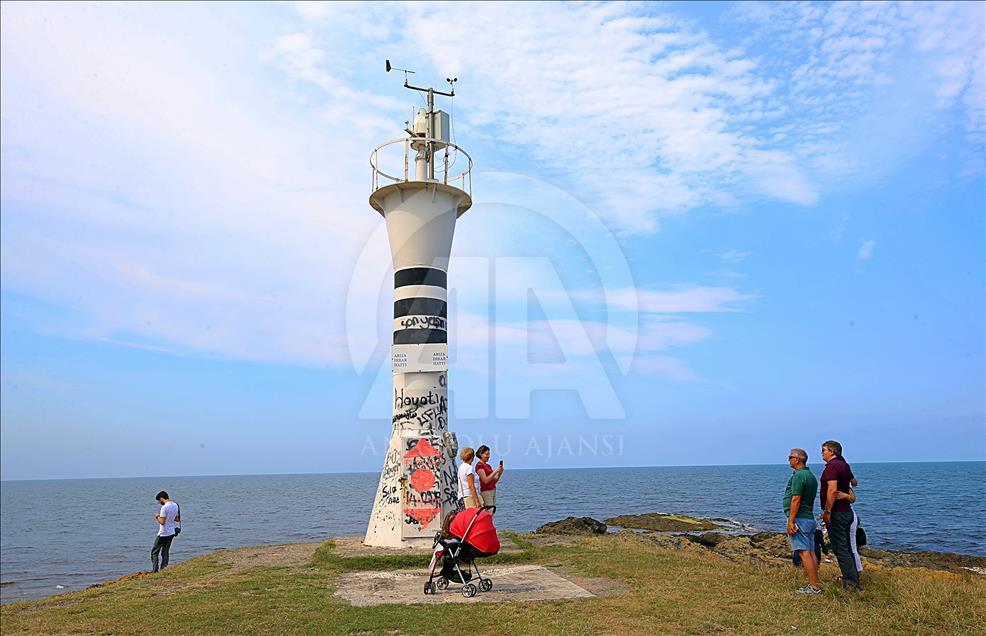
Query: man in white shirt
x=468 y=492
x=167 y=518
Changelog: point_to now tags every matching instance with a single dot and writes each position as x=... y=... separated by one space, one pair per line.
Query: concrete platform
x=511 y=583
x=348 y=547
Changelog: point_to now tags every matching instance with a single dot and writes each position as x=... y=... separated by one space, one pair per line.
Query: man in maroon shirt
x=836 y=511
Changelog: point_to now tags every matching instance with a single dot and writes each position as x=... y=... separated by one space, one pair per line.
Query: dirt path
x=243 y=559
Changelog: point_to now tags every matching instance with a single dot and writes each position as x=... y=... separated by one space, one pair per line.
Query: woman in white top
x=468 y=493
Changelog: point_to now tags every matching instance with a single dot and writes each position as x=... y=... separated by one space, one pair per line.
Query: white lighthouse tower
x=420 y=206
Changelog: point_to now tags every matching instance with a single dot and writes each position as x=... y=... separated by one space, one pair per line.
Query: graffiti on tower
x=423 y=464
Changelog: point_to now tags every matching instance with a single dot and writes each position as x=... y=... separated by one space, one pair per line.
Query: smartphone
x=501 y=463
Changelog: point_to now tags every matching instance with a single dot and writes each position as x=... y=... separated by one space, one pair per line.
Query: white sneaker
x=809 y=590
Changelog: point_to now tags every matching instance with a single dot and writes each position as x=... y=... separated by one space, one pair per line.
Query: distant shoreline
x=373 y=472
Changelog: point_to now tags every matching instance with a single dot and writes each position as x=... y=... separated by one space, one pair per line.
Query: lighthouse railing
x=445 y=160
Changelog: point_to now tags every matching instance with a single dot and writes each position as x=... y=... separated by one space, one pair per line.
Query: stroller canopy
x=482 y=534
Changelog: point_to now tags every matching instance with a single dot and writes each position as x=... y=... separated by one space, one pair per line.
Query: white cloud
x=165 y=198
x=315 y=10
x=840 y=229
x=682 y=299
x=475 y=338
x=643 y=114
x=865 y=252
x=647 y=115
x=176 y=176
x=303 y=60
x=861 y=83
x=735 y=256
x=661 y=326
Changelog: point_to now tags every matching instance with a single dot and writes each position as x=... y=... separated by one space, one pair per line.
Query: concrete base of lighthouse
x=418 y=482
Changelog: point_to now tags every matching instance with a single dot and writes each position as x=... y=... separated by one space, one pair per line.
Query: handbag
x=860 y=536
x=178 y=526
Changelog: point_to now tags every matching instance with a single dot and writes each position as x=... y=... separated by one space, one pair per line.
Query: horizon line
x=373 y=472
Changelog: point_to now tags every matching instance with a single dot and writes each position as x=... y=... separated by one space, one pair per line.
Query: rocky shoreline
x=682 y=532
x=697 y=535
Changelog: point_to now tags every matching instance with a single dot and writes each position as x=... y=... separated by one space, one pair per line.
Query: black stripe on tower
x=420 y=276
x=419 y=306
x=420 y=336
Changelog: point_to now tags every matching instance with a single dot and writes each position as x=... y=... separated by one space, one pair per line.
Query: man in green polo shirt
x=799 y=503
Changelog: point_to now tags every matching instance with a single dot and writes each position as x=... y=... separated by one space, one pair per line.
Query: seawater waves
x=64 y=535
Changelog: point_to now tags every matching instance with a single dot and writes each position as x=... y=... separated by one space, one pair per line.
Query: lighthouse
x=420 y=194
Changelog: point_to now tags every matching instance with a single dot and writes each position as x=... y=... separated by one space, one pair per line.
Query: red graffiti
x=422 y=449
x=423 y=480
x=424 y=516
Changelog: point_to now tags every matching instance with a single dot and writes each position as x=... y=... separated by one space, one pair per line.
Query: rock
x=742 y=548
x=760 y=537
x=573 y=525
x=663 y=523
x=777 y=547
x=947 y=561
x=681 y=532
x=666 y=540
x=709 y=539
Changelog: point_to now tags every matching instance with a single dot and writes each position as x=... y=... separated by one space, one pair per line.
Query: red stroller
x=473 y=537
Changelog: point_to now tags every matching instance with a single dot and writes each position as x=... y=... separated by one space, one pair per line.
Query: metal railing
x=444 y=159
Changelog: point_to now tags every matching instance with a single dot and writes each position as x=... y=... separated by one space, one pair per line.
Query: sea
x=62 y=535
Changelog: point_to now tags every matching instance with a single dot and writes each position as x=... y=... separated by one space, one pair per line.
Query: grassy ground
x=660 y=590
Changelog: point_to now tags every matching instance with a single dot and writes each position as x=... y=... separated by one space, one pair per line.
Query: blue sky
x=702 y=233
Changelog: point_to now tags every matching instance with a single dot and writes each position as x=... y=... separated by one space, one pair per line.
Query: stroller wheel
x=443 y=584
x=485 y=585
x=469 y=590
x=429 y=588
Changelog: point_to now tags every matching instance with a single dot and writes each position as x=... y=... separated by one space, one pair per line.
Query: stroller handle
x=492 y=509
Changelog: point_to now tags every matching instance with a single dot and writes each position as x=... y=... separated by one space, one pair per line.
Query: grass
x=663 y=591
